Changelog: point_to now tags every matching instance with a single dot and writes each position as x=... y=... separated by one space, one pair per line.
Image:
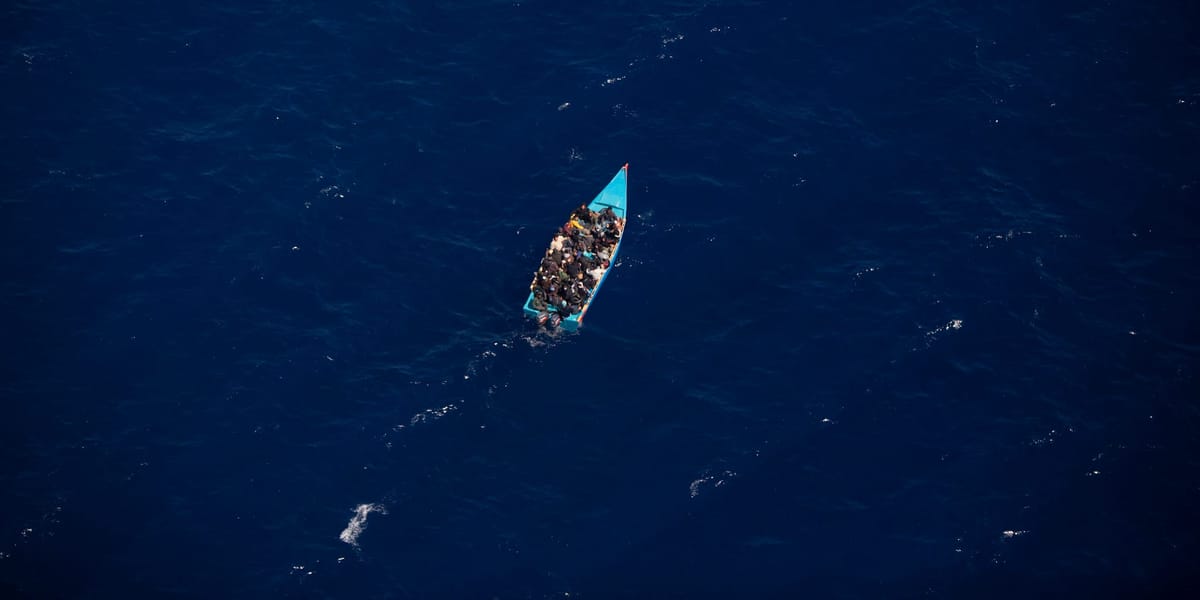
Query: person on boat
x=573 y=269
x=583 y=291
x=586 y=239
x=575 y=299
x=588 y=262
x=582 y=214
x=576 y=241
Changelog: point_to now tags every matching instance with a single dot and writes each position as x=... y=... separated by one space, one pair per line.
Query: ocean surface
x=907 y=305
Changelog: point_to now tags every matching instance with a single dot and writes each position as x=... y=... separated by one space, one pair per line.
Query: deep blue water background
x=907 y=304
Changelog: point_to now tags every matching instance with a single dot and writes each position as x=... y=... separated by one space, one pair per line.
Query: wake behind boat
x=579 y=259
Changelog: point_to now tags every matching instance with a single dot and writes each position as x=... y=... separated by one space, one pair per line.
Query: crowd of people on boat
x=578 y=256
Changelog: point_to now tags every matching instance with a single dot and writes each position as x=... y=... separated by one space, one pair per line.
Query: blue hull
x=612 y=196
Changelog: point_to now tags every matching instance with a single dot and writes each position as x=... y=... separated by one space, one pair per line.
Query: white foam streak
x=358 y=522
x=714 y=480
x=953 y=324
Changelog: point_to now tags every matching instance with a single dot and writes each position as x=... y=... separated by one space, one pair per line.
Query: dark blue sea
x=907 y=304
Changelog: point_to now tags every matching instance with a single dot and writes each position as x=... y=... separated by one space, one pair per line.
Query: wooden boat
x=612 y=196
